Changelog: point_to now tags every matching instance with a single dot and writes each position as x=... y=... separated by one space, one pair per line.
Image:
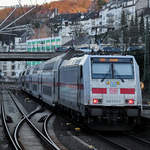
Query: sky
x=23 y=2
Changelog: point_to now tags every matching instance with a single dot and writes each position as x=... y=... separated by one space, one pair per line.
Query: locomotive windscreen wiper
x=106 y=75
x=119 y=76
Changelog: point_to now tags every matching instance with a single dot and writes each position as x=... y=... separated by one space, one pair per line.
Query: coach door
x=55 y=86
x=40 y=84
x=79 y=85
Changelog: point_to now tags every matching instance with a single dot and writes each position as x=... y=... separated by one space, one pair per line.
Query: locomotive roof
x=80 y=60
x=73 y=57
x=113 y=56
x=74 y=61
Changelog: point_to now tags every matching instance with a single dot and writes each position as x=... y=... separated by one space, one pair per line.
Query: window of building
x=4 y=67
x=13 y=67
x=18 y=66
x=13 y=73
x=66 y=23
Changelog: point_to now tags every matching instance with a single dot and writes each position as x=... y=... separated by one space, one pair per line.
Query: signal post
x=147 y=60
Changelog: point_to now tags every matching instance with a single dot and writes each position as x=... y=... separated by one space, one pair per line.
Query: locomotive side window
x=35 y=69
x=48 y=67
x=28 y=71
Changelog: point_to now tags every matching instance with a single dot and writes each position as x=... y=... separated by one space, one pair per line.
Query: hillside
x=70 y=6
x=64 y=6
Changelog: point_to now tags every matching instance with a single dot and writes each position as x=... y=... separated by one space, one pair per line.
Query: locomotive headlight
x=142 y=85
x=97 y=101
x=108 y=82
x=130 y=101
x=118 y=83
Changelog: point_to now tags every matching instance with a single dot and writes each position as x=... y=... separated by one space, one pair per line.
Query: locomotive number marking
x=113 y=91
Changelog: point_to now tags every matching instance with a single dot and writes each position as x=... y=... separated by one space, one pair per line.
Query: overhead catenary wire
x=15 y=28
x=11 y=30
x=17 y=19
x=20 y=26
x=5 y=33
x=8 y=16
x=19 y=1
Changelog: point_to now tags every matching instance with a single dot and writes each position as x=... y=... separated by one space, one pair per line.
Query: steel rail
x=46 y=130
x=7 y=129
x=19 y=126
x=113 y=143
x=37 y=132
x=139 y=139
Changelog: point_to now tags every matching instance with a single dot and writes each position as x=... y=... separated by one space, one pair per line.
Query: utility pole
x=147 y=59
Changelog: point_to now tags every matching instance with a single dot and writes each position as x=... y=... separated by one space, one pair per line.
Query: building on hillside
x=11 y=69
x=91 y=23
x=70 y=26
x=42 y=45
x=143 y=6
x=83 y=41
x=111 y=13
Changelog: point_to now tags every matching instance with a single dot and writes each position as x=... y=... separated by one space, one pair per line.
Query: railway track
x=105 y=140
x=140 y=139
x=118 y=142
x=125 y=142
x=45 y=141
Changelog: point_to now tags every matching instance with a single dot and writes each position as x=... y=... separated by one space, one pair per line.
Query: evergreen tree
x=100 y=3
x=131 y=31
x=142 y=28
x=123 y=19
x=124 y=28
x=115 y=35
x=136 y=31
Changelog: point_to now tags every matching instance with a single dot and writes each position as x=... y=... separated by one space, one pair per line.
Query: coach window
x=35 y=70
x=48 y=67
x=27 y=72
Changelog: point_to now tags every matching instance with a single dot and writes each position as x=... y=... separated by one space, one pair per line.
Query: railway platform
x=146 y=106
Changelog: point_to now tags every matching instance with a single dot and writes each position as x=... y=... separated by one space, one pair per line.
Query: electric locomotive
x=93 y=87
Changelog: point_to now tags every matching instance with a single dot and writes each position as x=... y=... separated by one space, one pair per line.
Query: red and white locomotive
x=89 y=86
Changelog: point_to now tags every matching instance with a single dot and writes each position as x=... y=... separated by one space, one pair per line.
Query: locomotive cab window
x=123 y=70
x=101 y=70
x=112 y=68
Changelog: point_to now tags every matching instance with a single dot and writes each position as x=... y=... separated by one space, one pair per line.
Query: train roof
x=72 y=57
x=74 y=61
x=80 y=60
x=113 y=56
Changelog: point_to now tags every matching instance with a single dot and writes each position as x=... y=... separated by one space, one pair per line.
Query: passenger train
x=91 y=87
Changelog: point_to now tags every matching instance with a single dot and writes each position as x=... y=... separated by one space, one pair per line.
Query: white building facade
x=112 y=11
x=12 y=69
x=109 y=16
